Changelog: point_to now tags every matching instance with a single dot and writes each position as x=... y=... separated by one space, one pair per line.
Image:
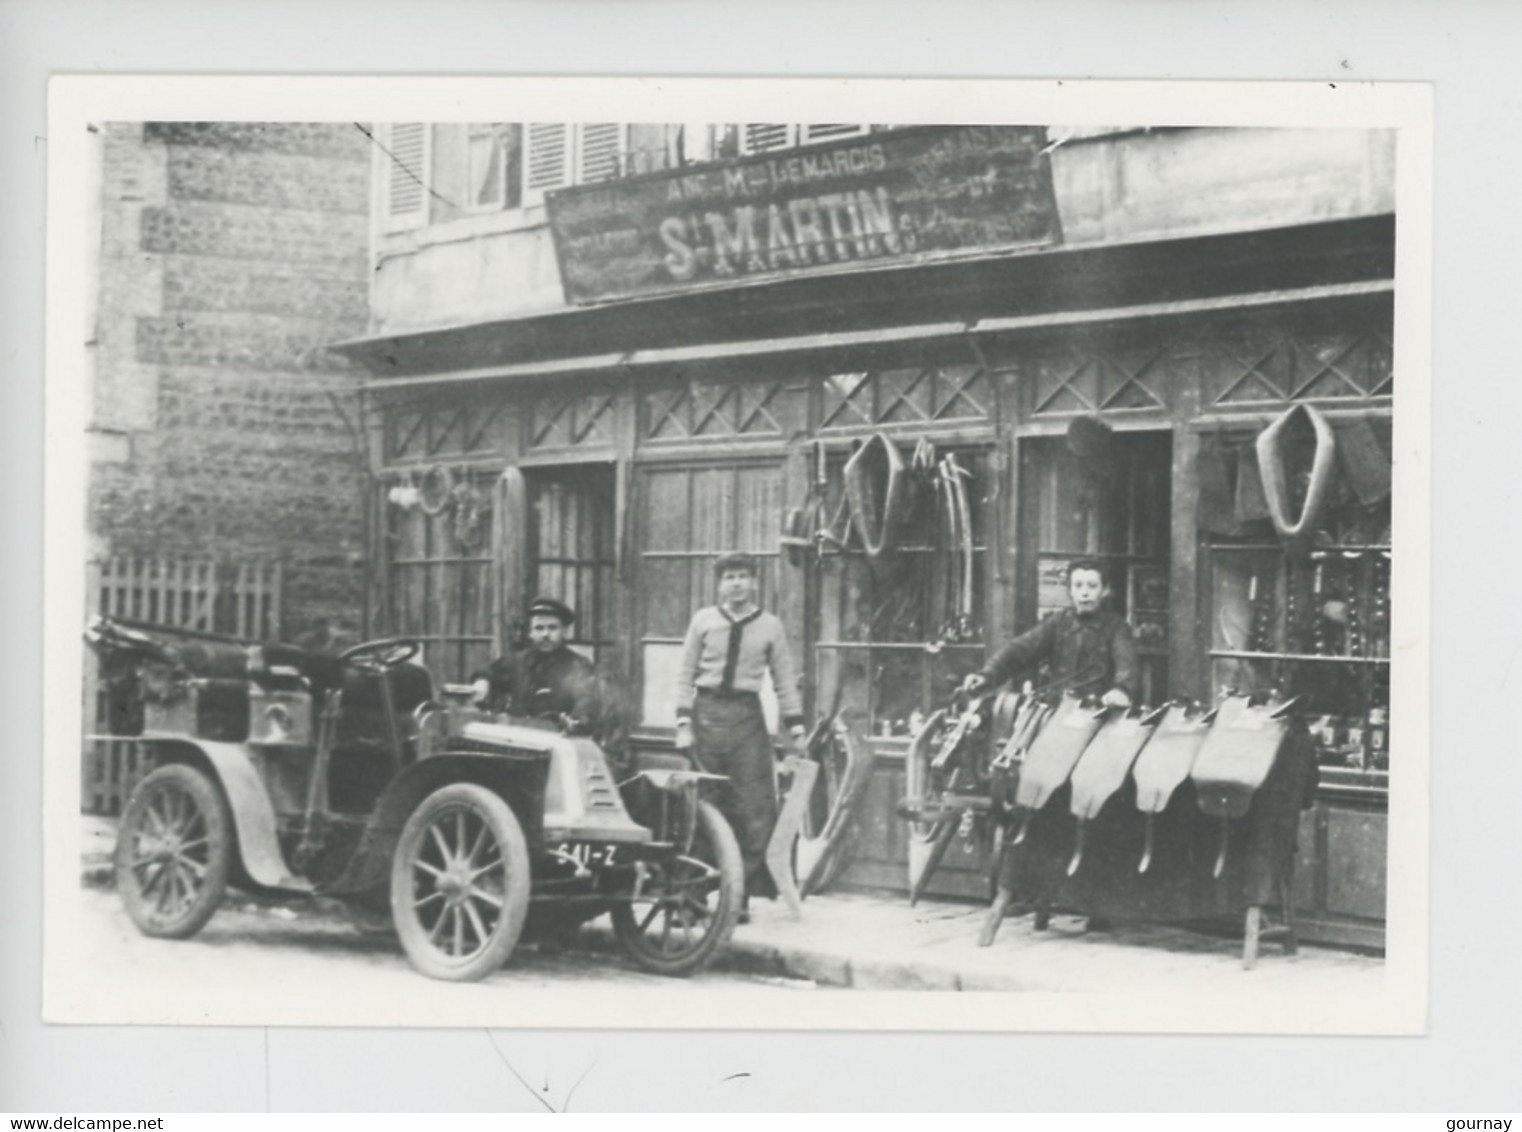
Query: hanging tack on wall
x=436 y=489
x=404 y=493
x=1271 y=447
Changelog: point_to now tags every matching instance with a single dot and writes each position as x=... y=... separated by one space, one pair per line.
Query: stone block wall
x=232 y=255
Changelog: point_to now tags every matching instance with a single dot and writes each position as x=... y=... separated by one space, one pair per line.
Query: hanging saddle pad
x=1055 y=751
x=1168 y=757
x=1103 y=766
x=1237 y=756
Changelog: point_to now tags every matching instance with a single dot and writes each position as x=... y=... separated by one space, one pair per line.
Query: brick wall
x=232 y=254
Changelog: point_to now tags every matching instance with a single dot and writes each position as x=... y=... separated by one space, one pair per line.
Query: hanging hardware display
x=875 y=484
x=404 y=493
x=436 y=489
x=1272 y=451
x=470 y=505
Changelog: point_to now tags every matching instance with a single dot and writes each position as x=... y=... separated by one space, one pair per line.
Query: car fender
x=252 y=812
x=519 y=777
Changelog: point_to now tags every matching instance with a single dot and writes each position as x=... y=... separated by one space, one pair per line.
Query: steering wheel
x=378 y=656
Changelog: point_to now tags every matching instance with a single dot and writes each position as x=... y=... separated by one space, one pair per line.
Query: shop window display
x=1313 y=619
x=895 y=638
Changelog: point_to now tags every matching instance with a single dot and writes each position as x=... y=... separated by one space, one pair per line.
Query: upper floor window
x=761 y=137
x=493 y=166
x=405 y=157
x=572 y=153
x=430 y=174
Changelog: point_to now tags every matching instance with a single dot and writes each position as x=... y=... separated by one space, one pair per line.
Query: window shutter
x=762 y=137
x=406 y=180
x=548 y=162
x=824 y=133
x=599 y=146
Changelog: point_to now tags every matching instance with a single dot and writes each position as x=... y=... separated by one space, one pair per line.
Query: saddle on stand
x=1102 y=769
x=1165 y=762
x=1053 y=755
x=1235 y=759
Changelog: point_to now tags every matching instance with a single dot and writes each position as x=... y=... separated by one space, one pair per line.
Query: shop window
x=688 y=516
x=1312 y=622
x=1108 y=501
x=894 y=639
x=571 y=550
x=438 y=527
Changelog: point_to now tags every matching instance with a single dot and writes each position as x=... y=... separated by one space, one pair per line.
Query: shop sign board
x=893 y=195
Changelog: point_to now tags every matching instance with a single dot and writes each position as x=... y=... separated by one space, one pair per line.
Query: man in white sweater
x=730 y=647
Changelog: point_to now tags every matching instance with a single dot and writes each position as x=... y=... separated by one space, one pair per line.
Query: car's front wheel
x=173 y=851
x=685 y=906
x=460 y=883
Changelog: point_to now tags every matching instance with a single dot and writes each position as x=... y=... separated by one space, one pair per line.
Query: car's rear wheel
x=460 y=883
x=686 y=906
x=173 y=851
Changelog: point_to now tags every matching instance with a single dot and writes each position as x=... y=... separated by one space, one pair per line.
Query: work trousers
x=730 y=738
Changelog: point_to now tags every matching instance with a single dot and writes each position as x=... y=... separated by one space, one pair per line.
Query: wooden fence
x=239 y=600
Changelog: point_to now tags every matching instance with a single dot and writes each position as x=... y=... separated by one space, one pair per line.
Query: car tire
x=173 y=851
x=715 y=851
x=460 y=883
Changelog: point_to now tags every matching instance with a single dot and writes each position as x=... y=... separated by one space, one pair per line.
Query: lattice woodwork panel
x=1067 y=383
x=570 y=422
x=962 y=392
x=849 y=400
x=715 y=410
x=1114 y=378
x=712 y=409
x=906 y=396
x=1296 y=365
x=430 y=433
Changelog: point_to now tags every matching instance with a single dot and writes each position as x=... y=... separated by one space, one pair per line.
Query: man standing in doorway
x=546 y=679
x=729 y=650
x=1086 y=648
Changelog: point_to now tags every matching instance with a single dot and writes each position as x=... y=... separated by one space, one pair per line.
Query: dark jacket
x=542 y=683
x=1086 y=654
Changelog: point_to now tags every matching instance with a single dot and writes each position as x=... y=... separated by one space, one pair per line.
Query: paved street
x=316 y=944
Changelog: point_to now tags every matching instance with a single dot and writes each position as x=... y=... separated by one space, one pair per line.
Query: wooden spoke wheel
x=173 y=851
x=685 y=907
x=460 y=883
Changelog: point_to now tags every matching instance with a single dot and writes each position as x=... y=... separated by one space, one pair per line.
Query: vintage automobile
x=281 y=769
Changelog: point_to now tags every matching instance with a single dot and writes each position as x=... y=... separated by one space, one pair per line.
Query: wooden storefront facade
x=649 y=435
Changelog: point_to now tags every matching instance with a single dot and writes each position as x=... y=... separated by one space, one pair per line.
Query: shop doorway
x=1103 y=495
x=571 y=550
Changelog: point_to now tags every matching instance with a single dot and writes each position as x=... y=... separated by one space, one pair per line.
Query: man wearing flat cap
x=546 y=679
x=729 y=650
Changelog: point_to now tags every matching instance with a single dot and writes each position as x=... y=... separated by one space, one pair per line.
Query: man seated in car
x=546 y=679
